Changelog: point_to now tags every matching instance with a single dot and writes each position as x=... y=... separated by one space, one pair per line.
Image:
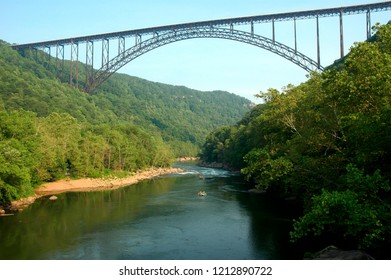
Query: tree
x=264 y=169
x=18 y=154
x=326 y=142
x=60 y=135
x=359 y=214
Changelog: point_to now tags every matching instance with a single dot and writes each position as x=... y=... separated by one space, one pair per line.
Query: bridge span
x=147 y=39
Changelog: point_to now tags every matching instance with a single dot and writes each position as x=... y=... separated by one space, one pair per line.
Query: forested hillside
x=49 y=130
x=325 y=142
x=183 y=116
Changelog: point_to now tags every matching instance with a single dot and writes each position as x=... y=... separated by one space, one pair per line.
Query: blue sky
x=204 y=64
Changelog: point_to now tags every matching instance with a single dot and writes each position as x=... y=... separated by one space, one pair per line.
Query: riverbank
x=184 y=159
x=89 y=185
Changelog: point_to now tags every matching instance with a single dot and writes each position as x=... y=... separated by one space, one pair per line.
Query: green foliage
x=264 y=169
x=216 y=143
x=49 y=130
x=34 y=149
x=359 y=213
x=18 y=155
x=15 y=172
x=178 y=113
x=325 y=142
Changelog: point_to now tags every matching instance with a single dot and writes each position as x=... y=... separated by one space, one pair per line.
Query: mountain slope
x=183 y=116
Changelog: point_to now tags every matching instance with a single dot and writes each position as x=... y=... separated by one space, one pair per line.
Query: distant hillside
x=181 y=115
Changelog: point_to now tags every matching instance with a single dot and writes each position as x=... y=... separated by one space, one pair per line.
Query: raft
x=202 y=193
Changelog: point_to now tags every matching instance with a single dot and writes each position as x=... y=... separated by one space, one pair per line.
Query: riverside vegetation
x=326 y=143
x=49 y=130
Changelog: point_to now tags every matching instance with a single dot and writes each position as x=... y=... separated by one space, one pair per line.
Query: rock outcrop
x=334 y=253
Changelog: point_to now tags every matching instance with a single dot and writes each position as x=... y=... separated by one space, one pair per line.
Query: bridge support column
x=317 y=40
x=137 y=39
x=89 y=62
x=46 y=57
x=369 y=27
x=28 y=52
x=273 y=31
x=341 y=34
x=42 y=55
x=295 y=33
x=105 y=52
x=74 y=75
x=60 y=61
x=36 y=54
x=121 y=45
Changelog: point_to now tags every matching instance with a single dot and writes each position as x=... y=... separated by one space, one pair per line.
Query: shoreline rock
x=334 y=253
x=217 y=165
x=19 y=205
x=257 y=191
x=182 y=159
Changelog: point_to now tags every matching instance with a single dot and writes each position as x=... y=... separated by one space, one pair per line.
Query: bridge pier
x=45 y=56
x=121 y=45
x=89 y=61
x=369 y=26
x=295 y=33
x=273 y=31
x=341 y=42
x=60 y=61
x=318 y=40
x=74 y=63
x=105 y=52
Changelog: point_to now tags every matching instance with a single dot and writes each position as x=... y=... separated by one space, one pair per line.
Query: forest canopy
x=325 y=142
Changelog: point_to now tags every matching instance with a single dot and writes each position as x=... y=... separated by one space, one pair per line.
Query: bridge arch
x=176 y=35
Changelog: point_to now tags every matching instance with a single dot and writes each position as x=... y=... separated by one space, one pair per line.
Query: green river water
x=163 y=218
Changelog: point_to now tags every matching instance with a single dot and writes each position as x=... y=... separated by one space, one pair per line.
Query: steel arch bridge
x=163 y=35
x=196 y=33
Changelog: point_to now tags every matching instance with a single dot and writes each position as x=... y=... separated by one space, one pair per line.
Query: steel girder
x=195 y=33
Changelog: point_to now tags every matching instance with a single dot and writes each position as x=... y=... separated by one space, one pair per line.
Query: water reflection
x=157 y=219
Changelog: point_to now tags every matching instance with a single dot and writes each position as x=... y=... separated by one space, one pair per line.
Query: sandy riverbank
x=88 y=185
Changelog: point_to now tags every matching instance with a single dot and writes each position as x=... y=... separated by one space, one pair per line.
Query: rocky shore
x=217 y=165
x=86 y=185
x=182 y=159
x=334 y=253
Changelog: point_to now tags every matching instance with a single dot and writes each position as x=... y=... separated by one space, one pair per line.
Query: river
x=162 y=218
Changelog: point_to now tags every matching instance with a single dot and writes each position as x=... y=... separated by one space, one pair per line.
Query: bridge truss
x=147 y=39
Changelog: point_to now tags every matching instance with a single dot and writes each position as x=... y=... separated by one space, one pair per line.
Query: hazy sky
x=204 y=64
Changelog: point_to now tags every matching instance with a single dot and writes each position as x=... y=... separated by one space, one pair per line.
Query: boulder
x=334 y=253
x=53 y=197
x=256 y=191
